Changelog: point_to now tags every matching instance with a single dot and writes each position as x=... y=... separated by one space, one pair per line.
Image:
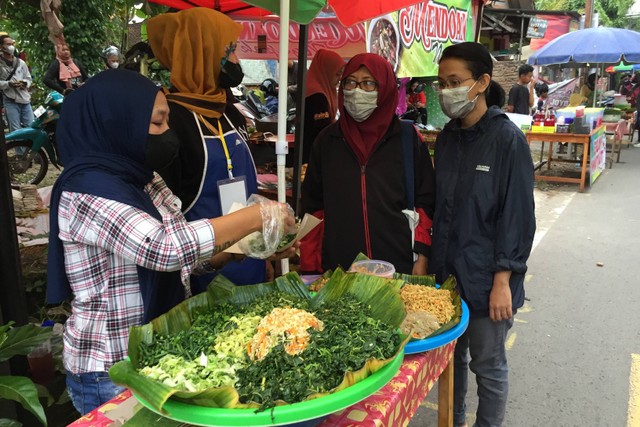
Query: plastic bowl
x=374 y=268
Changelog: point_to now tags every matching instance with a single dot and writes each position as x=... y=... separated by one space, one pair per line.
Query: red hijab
x=321 y=75
x=364 y=136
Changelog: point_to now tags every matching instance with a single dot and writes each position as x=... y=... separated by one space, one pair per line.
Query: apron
x=207 y=202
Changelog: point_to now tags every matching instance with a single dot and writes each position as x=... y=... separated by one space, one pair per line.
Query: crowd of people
x=64 y=74
x=139 y=217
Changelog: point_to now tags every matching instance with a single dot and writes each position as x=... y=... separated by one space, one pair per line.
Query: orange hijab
x=192 y=43
x=322 y=71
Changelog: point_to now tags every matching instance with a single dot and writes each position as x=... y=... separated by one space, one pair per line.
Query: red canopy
x=349 y=12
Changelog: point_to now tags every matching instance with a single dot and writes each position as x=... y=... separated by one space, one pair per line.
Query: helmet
x=110 y=51
x=269 y=87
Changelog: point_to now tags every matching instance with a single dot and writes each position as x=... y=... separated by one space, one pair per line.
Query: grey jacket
x=20 y=96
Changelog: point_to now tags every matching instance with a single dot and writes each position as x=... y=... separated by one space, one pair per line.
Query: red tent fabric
x=349 y=12
x=228 y=7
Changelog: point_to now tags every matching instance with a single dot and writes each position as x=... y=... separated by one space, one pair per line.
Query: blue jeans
x=484 y=340
x=90 y=390
x=18 y=115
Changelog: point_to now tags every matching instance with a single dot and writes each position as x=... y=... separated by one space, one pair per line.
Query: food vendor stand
x=391 y=401
x=593 y=143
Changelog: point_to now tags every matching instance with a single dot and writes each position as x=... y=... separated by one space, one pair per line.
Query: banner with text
x=260 y=38
x=413 y=38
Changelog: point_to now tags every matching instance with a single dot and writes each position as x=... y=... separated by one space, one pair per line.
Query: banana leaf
x=430 y=280
x=378 y=293
x=384 y=301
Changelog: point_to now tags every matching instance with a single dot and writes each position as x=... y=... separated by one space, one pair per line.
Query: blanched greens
x=349 y=338
x=212 y=353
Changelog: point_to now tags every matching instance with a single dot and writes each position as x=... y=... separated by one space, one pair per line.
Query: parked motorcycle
x=30 y=149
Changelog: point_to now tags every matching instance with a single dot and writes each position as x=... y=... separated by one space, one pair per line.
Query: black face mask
x=161 y=150
x=231 y=75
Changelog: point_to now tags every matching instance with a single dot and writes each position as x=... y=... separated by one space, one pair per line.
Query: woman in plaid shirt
x=115 y=226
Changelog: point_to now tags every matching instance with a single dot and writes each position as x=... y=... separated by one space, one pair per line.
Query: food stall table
x=593 y=149
x=391 y=406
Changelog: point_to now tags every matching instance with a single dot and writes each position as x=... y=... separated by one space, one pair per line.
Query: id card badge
x=232 y=190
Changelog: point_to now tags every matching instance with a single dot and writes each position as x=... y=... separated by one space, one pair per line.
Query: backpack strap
x=15 y=67
x=407 y=155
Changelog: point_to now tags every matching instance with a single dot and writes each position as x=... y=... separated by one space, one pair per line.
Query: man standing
x=15 y=81
x=521 y=94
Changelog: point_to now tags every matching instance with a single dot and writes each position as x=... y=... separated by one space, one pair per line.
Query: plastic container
x=594 y=117
x=374 y=267
x=619 y=99
x=569 y=113
x=41 y=365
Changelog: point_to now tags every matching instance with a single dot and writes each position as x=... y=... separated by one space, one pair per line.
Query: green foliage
x=20 y=341
x=612 y=13
x=24 y=391
x=90 y=25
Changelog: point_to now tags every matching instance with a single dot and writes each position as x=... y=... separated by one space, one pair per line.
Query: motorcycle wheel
x=26 y=166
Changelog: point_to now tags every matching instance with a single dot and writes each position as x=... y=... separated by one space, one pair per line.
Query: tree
x=89 y=26
x=612 y=13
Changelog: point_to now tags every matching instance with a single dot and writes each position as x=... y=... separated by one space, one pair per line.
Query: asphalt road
x=574 y=351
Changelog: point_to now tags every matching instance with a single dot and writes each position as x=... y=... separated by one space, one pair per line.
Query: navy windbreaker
x=484 y=218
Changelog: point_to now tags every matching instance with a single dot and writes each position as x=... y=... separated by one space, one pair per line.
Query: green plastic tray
x=281 y=415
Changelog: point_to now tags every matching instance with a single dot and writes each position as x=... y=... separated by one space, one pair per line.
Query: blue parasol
x=590 y=46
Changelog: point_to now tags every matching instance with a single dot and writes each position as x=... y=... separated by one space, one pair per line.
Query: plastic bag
x=262 y=245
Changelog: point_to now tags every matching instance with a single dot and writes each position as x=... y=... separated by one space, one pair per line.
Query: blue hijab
x=101 y=140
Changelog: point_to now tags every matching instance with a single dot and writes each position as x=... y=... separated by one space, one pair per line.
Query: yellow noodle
x=424 y=298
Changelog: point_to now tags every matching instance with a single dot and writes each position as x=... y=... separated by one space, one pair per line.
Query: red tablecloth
x=392 y=406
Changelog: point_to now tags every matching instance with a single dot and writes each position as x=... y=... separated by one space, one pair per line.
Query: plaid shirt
x=104 y=241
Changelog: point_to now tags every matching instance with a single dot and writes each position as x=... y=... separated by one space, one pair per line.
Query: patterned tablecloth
x=392 y=406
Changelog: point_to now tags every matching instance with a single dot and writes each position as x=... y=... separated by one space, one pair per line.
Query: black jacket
x=316 y=118
x=334 y=182
x=484 y=220
x=52 y=80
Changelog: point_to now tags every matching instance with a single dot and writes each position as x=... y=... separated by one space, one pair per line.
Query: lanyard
x=222 y=140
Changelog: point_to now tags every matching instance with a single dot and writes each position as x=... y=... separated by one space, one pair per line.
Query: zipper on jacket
x=365 y=213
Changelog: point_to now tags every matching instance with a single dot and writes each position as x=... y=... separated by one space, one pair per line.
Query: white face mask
x=114 y=64
x=360 y=104
x=455 y=103
x=10 y=49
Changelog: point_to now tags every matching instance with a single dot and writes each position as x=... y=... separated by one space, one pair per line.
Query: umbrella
x=349 y=12
x=590 y=46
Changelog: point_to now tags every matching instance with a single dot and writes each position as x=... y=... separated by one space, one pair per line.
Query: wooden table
x=392 y=406
x=588 y=156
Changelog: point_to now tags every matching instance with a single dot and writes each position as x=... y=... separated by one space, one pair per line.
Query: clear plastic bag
x=262 y=245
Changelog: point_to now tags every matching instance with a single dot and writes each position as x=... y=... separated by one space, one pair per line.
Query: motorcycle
x=30 y=149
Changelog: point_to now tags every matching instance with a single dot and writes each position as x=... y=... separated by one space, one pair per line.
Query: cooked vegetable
x=349 y=338
x=295 y=352
x=285 y=241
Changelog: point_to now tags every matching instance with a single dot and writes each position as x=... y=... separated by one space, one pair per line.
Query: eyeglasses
x=365 y=85
x=228 y=51
x=449 y=84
